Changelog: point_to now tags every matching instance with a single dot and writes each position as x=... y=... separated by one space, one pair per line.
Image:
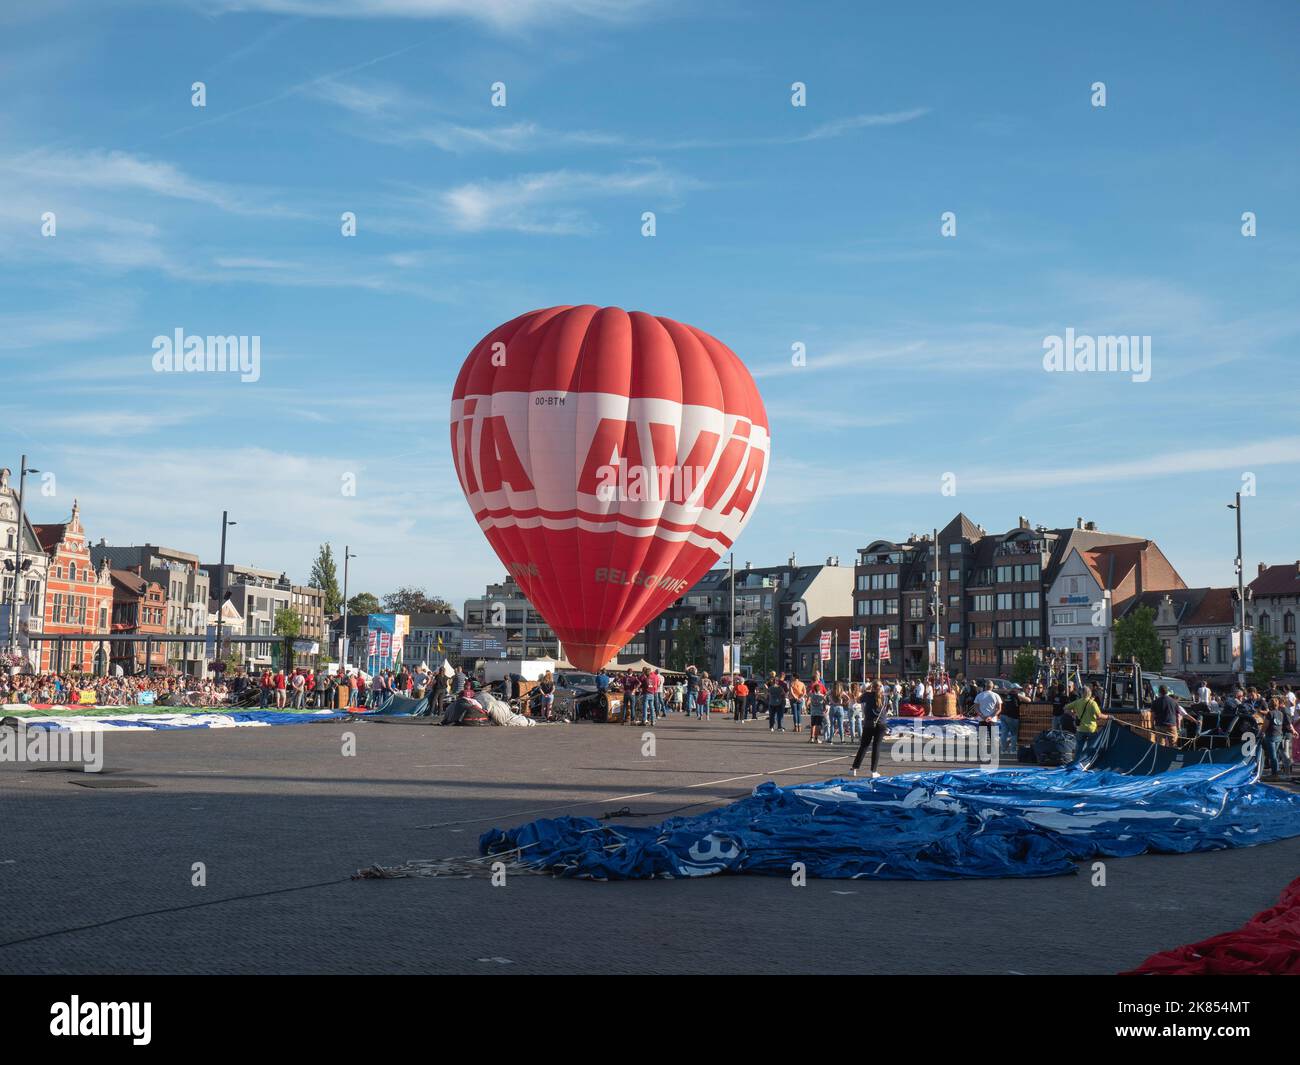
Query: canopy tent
x=630 y=667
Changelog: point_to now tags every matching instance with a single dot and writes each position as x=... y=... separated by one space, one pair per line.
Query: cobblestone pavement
x=281 y=819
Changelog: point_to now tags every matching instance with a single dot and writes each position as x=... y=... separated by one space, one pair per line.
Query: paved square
x=281 y=819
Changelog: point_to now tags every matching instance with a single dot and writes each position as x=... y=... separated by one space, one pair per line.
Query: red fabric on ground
x=1266 y=945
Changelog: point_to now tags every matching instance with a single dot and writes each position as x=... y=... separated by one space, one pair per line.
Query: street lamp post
x=343 y=652
x=1241 y=598
x=221 y=570
x=23 y=471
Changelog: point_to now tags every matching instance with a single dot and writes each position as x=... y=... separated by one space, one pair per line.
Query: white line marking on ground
x=635 y=795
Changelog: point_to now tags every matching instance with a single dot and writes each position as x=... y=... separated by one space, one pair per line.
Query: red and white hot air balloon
x=610 y=457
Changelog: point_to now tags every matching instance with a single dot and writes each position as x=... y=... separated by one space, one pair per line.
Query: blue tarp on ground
x=215 y=718
x=927 y=826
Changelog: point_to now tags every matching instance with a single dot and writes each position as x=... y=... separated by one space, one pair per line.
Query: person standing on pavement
x=873 y=728
x=1165 y=712
x=1011 y=722
x=1277 y=731
x=798 y=693
x=776 y=696
x=839 y=711
x=1087 y=716
x=739 y=693
x=988 y=709
x=654 y=683
x=692 y=691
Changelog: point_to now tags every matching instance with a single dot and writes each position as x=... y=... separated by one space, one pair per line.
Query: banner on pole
x=826 y=647
x=855 y=644
x=882 y=645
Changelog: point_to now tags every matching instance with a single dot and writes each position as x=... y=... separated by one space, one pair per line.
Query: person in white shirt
x=988 y=703
x=988 y=708
x=1203 y=694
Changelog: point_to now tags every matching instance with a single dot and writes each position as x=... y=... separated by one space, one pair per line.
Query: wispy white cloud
x=794 y=482
x=555 y=201
x=407 y=123
x=119 y=171
x=505 y=14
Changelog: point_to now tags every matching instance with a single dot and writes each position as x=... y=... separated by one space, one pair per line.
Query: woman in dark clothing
x=873 y=728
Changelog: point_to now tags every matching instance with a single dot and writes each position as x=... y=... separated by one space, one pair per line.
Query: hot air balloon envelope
x=610 y=458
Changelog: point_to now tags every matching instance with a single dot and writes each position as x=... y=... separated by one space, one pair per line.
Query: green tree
x=688 y=647
x=760 y=648
x=325 y=576
x=414 y=601
x=1025 y=666
x=288 y=624
x=1136 y=637
x=1268 y=658
x=363 y=603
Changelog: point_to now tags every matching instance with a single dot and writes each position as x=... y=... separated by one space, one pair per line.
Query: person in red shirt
x=267 y=686
x=280 y=685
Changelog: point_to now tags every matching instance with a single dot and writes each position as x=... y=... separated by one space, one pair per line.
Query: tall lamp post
x=23 y=471
x=343 y=653
x=221 y=570
x=1241 y=598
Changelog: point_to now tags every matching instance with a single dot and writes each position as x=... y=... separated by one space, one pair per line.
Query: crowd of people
x=298 y=689
x=834 y=713
x=70 y=689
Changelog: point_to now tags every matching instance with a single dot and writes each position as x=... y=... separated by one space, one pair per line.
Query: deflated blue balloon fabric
x=926 y=826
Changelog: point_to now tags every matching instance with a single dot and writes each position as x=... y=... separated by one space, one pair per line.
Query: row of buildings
x=960 y=594
x=160 y=607
x=985 y=595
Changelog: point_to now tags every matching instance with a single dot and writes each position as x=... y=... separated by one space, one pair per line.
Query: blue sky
x=777 y=225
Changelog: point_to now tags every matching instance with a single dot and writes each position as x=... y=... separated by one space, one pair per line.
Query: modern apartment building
x=256 y=594
x=984 y=593
x=784 y=598
x=502 y=623
x=186 y=587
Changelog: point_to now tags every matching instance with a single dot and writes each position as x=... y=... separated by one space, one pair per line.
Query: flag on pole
x=826 y=646
x=883 y=645
x=855 y=644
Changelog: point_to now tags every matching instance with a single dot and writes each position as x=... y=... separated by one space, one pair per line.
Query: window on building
x=1187 y=652
x=954 y=575
x=981 y=602
x=1203 y=650
x=1221 y=650
x=1004 y=601
x=1169 y=653
x=1288 y=623
x=1265 y=624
